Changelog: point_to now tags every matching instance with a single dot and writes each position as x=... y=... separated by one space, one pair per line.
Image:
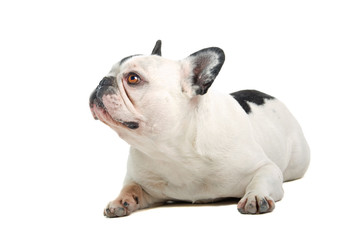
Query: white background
x=59 y=167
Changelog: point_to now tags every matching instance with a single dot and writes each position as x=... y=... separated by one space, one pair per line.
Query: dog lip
x=98 y=104
x=131 y=125
x=95 y=102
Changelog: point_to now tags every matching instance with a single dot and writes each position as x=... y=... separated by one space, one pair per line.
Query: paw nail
x=119 y=212
x=264 y=206
x=241 y=210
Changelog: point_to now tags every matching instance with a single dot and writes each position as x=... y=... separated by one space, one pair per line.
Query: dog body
x=191 y=144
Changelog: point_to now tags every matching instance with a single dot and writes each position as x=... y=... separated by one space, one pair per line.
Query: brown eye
x=132 y=78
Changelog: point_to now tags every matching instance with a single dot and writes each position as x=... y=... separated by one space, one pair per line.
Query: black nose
x=107 y=81
x=92 y=97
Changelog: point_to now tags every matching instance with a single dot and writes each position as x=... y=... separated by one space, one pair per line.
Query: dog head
x=147 y=94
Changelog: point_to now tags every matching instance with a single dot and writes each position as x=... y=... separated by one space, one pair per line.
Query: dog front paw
x=255 y=204
x=114 y=209
x=121 y=207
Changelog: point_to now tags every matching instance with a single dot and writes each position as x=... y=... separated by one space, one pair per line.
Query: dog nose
x=107 y=81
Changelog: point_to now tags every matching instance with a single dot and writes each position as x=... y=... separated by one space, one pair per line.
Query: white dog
x=191 y=144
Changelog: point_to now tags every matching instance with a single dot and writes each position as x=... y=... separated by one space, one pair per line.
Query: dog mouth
x=100 y=112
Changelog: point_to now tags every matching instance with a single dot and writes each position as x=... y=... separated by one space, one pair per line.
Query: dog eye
x=133 y=79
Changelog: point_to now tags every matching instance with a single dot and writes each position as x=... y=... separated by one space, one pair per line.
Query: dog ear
x=157 y=48
x=203 y=67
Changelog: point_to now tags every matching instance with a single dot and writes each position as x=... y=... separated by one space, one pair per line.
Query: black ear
x=157 y=48
x=204 y=67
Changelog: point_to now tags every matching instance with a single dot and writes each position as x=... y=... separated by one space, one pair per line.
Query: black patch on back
x=245 y=96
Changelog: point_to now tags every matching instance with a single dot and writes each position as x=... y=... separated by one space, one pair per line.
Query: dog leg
x=264 y=189
x=131 y=198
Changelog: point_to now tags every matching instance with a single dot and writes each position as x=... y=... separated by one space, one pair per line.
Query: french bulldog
x=190 y=143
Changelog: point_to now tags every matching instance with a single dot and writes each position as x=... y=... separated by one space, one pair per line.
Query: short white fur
x=200 y=148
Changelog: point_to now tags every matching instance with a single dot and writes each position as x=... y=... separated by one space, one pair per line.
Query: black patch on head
x=127 y=58
x=245 y=96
